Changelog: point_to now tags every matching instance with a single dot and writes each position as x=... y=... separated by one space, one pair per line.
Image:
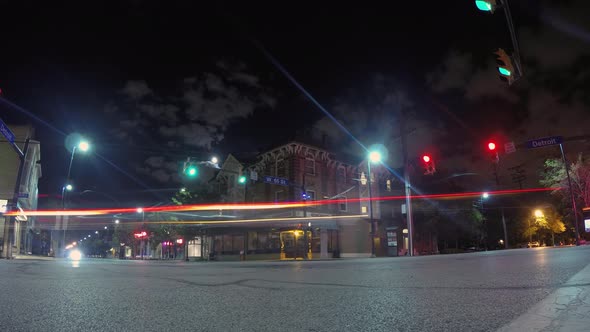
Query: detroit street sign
x=545 y=141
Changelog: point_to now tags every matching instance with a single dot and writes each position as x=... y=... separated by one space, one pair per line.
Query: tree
x=554 y=176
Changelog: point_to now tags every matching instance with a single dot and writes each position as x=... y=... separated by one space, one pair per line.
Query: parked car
x=533 y=244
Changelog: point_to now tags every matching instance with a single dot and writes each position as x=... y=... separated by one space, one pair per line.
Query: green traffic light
x=242 y=179
x=192 y=171
x=504 y=71
x=482 y=5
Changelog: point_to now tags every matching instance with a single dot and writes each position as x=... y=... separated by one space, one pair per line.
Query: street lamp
x=374 y=157
x=214 y=160
x=96 y=232
x=84 y=146
x=485 y=195
x=539 y=213
x=116 y=221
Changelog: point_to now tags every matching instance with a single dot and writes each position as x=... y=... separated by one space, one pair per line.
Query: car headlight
x=75 y=255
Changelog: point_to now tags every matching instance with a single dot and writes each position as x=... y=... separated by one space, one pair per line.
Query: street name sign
x=275 y=180
x=6 y=132
x=545 y=141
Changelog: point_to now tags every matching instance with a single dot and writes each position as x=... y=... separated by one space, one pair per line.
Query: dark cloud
x=136 y=90
x=196 y=117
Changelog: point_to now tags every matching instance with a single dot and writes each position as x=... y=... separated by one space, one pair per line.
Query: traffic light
x=191 y=171
x=429 y=166
x=506 y=67
x=486 y=5
x=493 y=151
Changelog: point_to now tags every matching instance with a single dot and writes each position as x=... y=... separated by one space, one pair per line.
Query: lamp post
x=83 y=146
x=374 y=157
x=141 y=245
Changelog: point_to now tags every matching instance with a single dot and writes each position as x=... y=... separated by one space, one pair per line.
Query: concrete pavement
x=466 y=292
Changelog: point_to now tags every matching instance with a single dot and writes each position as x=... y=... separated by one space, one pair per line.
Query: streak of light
x=267 y=205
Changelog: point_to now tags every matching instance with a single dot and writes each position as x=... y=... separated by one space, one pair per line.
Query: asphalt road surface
x=466 y=292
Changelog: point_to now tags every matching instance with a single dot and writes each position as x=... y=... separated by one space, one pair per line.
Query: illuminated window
x=310 y=166
x=363 y=209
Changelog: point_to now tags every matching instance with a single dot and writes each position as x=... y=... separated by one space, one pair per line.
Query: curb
x=566 y=309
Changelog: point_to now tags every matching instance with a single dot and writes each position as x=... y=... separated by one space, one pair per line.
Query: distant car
x=533 y=244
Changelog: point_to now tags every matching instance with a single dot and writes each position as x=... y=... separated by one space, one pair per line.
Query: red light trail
x=265 y=205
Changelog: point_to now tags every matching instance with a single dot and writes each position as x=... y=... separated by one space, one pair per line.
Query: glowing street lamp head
x=485 y=195
x=374 y=156
x=116 y=221
x=84 y=146
x=69 y=187
x=214 y=160
x=539 y=213
x=139 y=210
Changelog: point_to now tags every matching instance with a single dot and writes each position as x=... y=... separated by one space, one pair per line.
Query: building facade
x=18 y=235
x=297 y=172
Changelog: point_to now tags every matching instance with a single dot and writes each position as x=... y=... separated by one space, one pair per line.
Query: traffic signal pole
x=513 y=37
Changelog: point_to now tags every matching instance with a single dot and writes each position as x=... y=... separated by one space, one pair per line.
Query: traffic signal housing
x=486 y=5
x=506 y=67
x=428 y=163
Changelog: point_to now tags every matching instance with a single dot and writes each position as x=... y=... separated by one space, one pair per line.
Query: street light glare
x=69 y=187
x=538 y=213
x=116 y=221
x=139 y=210
x=105 y=227
x=485 y=195
x=214 y=160
x=84 y=146
x=96 y=232
x=375 y=156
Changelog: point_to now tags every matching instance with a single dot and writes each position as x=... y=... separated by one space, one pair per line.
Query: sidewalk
x=566 y=309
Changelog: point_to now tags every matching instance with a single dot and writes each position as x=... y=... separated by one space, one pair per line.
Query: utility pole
x=407 y=183
x=573 y=198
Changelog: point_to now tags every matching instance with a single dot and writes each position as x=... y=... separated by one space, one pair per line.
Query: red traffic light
x=426 y=158
x=492 y=146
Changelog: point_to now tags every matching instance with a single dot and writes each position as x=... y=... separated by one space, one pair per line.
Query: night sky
x=152 y=83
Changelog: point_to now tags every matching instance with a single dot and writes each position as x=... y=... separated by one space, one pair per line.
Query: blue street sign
x=275 y=180
x=10 y=137
x=545 y=141
x=6 y=132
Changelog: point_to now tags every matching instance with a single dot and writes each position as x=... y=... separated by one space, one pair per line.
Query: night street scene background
x=232 y=166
